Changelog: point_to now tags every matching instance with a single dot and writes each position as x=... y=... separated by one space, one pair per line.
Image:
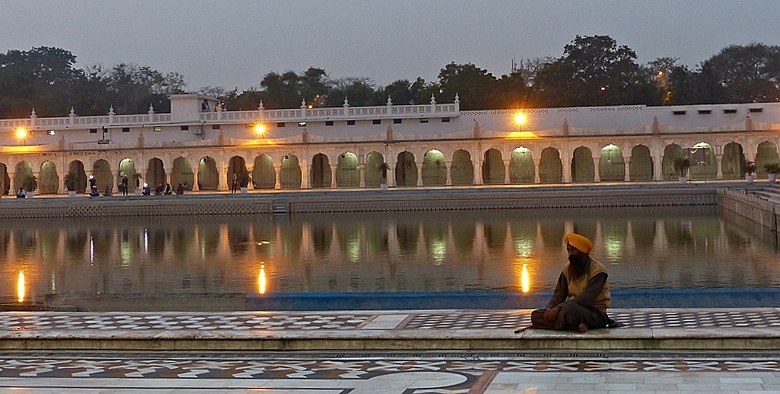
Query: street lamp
x=21 y=134
x=520 y=118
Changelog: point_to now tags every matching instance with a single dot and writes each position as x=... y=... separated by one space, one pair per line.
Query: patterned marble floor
x=442 y=372
x=396 y=320
x=399 y=372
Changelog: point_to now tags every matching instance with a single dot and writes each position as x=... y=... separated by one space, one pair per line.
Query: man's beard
x=578 y=265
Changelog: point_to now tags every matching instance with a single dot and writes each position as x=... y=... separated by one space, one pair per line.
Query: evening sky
x=234 y=43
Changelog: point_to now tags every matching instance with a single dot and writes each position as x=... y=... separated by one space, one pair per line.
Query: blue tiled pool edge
x=634 y=298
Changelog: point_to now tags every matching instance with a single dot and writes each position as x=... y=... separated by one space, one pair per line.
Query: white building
x=201 y=146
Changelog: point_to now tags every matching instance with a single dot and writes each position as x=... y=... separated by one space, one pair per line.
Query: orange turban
x=578 y=241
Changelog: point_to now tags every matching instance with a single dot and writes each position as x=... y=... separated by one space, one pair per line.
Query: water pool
x=219 y=263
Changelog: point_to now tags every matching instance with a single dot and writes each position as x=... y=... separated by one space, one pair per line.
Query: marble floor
x=90 y=366
x=398 y=372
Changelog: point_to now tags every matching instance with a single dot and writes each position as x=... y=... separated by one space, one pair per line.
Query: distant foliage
x=592 y=71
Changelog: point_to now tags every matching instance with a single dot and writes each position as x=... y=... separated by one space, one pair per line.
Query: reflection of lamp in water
x=262 y=281
x=20 y=287
x=525 y=280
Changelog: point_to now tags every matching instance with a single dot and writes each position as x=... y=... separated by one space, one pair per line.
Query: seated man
x=581 y=296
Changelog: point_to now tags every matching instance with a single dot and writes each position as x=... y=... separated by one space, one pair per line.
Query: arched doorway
x=582 y=167
x=48 y=180
x=321 y=176
x=290 y=173
x=521 y=166
x=208 y=175
x=373 y=169
x=612 y=166
x=23 y=171
x=672 y=152
x=347 y=172
x=731 y=162
x=462 y=169
x=101 y=170
x=493 y=170
x=434 y=170
x=405 y=170
x=155 y=174
x=640 y=168
x=5 y=181
x=704 y=165
x=126 y=168
x=237 y=166
x=550 y=166
x=766 y=153
x=263 y=173
x=77 y=167
x=181 y=173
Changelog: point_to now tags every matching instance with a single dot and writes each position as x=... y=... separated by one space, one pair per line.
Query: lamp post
x=21 y=134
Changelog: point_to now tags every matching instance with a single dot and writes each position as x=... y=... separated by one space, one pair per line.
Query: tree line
x=592 y=71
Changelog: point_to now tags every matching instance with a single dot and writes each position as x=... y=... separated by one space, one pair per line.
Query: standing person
x=93 y=190
x=235 y=183
x=581 y=296
x=124 y=185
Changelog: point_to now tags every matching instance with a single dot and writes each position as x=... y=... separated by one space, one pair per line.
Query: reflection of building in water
x=433 y=144
x=212 y=264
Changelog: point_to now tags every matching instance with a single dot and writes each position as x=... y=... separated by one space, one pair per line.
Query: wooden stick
x=521 y=329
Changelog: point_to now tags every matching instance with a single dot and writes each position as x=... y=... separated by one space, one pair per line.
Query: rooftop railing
x=220 y=116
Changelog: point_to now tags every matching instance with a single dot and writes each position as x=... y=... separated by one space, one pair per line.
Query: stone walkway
x=405 y=352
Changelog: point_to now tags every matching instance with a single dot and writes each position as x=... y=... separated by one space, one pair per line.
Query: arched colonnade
x=409 y=165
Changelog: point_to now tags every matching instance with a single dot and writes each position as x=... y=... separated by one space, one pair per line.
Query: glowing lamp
x=21 y=133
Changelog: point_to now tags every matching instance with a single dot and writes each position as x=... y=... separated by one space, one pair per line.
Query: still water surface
x=125 y=263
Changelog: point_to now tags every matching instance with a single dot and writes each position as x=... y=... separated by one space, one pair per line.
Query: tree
x=133 y=88
x=593 y=70
x=511 y=91
x=359 y=92
x=313 y=86
x=37 y=79
x=403 y=92
x=247 y=100
x=280 y=90
x=474 y=86
x=90 y=94
x=660 y=71
x=684 y=86
x=744 y=74
x=289 y=90
x=528 y=68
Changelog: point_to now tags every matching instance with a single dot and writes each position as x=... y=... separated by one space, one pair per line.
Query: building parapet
x=337 y=113
x=193 y=119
